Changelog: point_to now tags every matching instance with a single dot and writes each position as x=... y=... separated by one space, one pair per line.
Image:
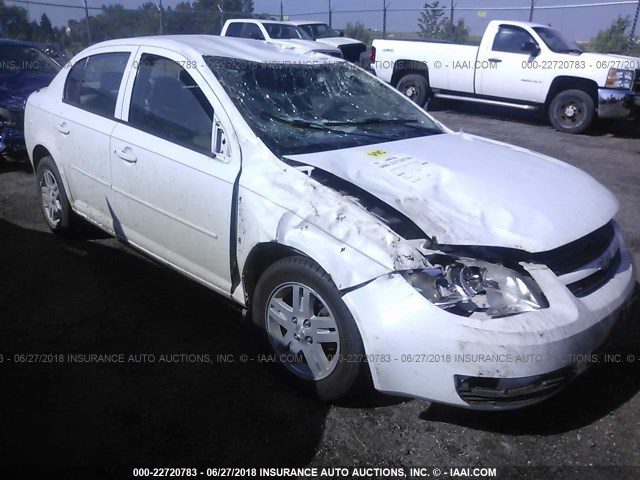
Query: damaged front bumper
x=416 y=349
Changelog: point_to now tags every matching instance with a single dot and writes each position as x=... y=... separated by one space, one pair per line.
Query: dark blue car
x=23 y=70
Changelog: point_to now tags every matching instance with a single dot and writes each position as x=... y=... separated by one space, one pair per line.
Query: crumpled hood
x=466 y=190
x=16 y=87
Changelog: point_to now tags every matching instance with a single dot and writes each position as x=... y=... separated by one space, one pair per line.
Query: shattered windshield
x=305 y=108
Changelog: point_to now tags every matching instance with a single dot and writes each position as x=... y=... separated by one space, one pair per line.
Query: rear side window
x=93 y=82
x=511 y=40
x=234 y=30
x=168 y=103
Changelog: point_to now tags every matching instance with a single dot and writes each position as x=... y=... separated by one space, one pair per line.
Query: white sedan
x=367 y=240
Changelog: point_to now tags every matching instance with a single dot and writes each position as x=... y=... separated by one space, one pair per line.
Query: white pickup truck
x=520 y=65
x=283 y=34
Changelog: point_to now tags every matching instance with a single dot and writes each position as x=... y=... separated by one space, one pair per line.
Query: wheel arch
x=261 y=257
x=563 y=83
x=39 y=152
x=404 y=67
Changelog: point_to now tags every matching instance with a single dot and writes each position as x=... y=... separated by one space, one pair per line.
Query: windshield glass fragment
x=312 y=107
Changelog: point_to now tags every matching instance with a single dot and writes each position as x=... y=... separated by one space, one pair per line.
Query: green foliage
x=433 y=23
x=613 y=39
x=358 y=31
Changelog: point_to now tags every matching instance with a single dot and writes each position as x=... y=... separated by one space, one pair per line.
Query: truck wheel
x=415 y=87
x=309 y=328
x=571 y=111
x=53 y=198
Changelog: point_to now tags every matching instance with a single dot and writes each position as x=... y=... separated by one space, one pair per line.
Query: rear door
x=174 y=163
x=84 y=123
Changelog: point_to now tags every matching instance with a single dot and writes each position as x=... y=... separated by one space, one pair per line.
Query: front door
x=174 y=165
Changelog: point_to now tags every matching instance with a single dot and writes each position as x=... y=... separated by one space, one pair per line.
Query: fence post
x=531 y=10
x=632 y=35
x=451 y=20
x=384 y=18
x=86 y=14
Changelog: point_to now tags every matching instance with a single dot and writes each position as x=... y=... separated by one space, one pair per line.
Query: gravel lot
x=95 y=296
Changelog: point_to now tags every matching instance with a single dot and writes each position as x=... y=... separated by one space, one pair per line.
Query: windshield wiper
x=409 y=122
x=570 y=50
x=328 y=127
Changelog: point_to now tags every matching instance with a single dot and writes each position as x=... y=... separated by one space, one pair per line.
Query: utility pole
x=330 y=15
x=384 y=18
x=161 y=10
x=531 y=10
x=281 y=12
x=86 y=14
x=221 y=8
x=632 y=35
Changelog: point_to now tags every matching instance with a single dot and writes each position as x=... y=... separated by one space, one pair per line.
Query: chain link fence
x=391 y=18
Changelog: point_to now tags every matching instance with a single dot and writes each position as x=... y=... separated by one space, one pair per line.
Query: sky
x=577 y=23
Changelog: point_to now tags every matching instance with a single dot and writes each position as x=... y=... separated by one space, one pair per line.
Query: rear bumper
x=613 y=103
x=416 y=349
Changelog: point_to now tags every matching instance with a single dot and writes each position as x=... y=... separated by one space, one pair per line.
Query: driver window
x=511 y=40
x=168 y=103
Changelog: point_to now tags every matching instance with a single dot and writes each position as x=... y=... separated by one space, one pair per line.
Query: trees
x=434 y=24
x=358 y=31
x=613 y=39
x=432 y=21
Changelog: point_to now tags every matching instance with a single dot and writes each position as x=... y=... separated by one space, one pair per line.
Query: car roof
x=9 y=41
x=257 y=20
x=212 y=45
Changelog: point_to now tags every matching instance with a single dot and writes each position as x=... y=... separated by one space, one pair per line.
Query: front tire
x=572 y=111
x=415 y=87
x=309 y=328
x=54 y=202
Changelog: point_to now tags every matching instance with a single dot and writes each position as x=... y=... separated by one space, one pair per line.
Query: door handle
x=126 y=154
x=62 y=128
x=495 y=60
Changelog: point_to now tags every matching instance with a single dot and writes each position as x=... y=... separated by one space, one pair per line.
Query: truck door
x=511 y=66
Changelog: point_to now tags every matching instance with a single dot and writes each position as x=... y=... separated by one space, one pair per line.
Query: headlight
x=619 y=78
x=465 y=286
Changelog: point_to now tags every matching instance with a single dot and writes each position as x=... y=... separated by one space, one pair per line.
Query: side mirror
x=531 y=48
x=341 y=34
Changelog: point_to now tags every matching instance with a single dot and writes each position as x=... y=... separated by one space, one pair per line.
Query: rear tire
x=54 y=202
x=415 y=87
x=572 y=111
x=309 y=328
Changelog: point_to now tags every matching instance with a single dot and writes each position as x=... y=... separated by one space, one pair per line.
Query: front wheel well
x=39 y=152
x=563 y=83
x=261 y=257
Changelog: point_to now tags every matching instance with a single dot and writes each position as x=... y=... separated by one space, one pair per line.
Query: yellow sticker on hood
x=377 y=153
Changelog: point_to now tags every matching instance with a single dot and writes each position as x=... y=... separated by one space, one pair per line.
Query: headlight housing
x=618 y=78
x=467 y=286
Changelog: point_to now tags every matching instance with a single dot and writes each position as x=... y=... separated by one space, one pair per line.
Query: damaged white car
x=366 y=239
